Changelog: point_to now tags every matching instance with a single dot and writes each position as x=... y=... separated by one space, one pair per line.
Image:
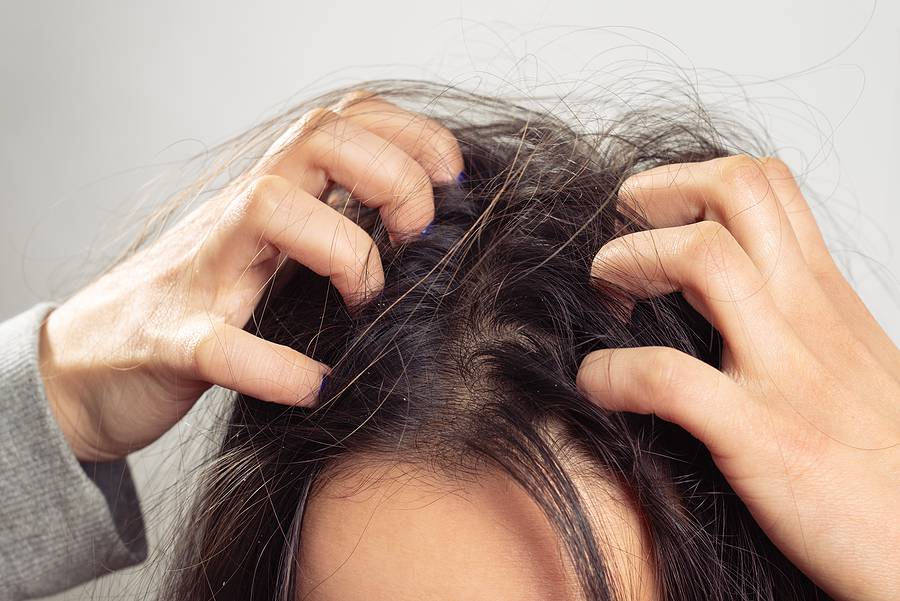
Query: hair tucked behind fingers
x=467 y=359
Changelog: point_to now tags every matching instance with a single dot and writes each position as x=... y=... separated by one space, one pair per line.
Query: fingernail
x=323 y=384
x=461 y=178
x=428 y=229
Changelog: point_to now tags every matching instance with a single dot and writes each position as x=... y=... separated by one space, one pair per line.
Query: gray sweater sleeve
x=62 y=522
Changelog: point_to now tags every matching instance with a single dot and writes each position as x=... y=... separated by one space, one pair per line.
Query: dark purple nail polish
x=428 y=229
x=323 y=384
x=461 y=178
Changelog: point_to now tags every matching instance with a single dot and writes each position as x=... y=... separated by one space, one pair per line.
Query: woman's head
x=450 y=455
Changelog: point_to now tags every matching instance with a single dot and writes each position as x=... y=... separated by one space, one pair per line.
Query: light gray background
x=96 y=94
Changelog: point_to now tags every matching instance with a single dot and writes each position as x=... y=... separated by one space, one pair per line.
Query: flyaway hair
x=467 y=361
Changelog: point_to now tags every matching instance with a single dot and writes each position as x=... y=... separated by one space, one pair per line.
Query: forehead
x=398 y=532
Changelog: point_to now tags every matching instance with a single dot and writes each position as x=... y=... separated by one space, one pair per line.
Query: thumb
x=674 y=386
x=233 y=358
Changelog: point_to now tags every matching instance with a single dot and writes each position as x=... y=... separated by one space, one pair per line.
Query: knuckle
x=439 y=136
x=408 y=179
x=744 y=174
x=710 y=248
x=317 y=117
x=660 y=372
x=197 y=348
x=412 y=176
x=708 y=229
x=261 y=199
x=736 y=165
x=678 y=388
x=262 y=190
x=253 y=199
x=356 y=249
x=705 y=235
x=775 y=168
x=354 y=97
x=445 y=145
x=434 y=137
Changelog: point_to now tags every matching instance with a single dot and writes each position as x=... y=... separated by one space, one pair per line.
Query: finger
x=735 y=192
x=238 y=360
x=705 y=263
x=798 y=212
x=676 y=387
x=836 y=287
x=274 y=216
x=431 y=144
x=747 y=196
x=329 y=147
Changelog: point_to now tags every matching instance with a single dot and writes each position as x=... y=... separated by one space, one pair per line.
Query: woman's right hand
x=804 y=417
x=125 y=358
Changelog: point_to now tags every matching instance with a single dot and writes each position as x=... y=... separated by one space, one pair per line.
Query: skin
x=803 y=419
x=394 y=531
x=125 y=358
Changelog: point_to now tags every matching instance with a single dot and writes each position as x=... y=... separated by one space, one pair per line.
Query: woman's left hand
x=804 y=417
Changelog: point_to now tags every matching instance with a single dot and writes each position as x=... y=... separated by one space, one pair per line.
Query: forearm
x=62 y=522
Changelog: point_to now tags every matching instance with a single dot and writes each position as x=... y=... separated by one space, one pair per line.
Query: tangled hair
x=467 y=359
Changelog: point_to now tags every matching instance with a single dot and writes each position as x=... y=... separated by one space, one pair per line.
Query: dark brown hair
x=468 y=359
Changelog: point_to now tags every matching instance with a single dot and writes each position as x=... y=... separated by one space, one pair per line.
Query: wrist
x=64 y=392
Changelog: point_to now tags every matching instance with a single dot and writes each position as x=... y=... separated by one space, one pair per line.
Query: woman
x=472 y=370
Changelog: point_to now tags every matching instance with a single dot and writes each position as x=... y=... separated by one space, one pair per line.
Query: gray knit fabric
x=62 y=522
